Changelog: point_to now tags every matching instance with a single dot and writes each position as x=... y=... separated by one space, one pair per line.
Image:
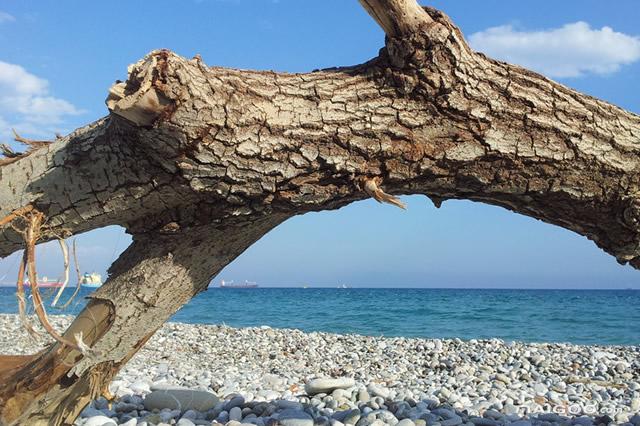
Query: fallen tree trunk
x=152 y=279
x=198 y=163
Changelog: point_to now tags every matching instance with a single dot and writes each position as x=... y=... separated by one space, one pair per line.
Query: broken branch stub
x=372 y=188
x=140 y=99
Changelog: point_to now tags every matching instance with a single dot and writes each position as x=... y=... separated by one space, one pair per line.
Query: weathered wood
x=150 y=281
x=198 y=162
x=397 y=17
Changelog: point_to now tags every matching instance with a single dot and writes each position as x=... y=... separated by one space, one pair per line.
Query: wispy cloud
x=572 y=50
x=5 y=17
x=26 y=104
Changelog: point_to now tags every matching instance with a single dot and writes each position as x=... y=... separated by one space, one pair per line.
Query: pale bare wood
x=397 y=17
x=65 y=280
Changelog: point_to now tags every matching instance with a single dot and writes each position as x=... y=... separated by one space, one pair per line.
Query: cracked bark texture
x=198 y=162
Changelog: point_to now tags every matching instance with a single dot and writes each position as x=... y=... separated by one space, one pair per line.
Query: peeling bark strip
x=199 y=162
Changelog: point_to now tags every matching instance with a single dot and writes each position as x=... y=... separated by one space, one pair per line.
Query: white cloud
x=5 y=17
x=25 y=104
x=572 y=50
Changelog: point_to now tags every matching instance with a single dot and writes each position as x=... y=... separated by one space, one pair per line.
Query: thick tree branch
x=150 y=281
x=242 y=143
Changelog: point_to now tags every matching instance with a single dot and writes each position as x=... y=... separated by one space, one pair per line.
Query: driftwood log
x=199 y=162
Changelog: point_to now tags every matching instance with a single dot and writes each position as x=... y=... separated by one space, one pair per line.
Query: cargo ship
x=231 y=284
x=46 y=283
x=92 y=280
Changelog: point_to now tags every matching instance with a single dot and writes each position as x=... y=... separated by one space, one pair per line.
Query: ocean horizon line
x=358 y=287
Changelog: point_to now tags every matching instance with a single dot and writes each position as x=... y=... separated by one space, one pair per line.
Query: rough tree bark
x=199 y=162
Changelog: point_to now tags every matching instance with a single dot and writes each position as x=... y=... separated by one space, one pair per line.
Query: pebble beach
x=209 y=375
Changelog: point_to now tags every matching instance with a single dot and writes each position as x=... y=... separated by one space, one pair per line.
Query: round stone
x=99 y=421
x=180 y=399
x=316 y=386
x=293 y=417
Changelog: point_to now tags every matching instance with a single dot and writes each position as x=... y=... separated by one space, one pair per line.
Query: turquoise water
x=578 y=316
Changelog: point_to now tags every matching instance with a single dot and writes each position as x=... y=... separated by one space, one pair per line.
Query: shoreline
x=423 y=381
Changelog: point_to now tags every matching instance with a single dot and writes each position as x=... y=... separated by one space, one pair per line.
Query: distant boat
x=92 y=280
x=45 y=283
x=245 y=284
x=343 y=286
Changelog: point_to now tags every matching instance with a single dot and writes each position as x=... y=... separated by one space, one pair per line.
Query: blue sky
x=57 y=60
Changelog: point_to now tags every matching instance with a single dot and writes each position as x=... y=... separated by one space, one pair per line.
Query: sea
x=603 y=317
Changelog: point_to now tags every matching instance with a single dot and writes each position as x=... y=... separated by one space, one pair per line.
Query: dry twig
x=12 y=156
x=65 y=281
x=29 y=142
x=372 y=188
x=22 y=303
x=76 y=264
x=31 y=234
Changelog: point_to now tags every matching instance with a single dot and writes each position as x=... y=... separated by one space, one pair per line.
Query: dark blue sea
x=610 y=317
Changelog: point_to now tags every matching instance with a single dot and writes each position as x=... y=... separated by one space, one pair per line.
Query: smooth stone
x=271 y=395
x=603 y=420
x=166 y=386
x=108 y=413
x=454 y=420
x=316 y=386
x=322 y=421
x=352 y=417
x=185 y=422
x=99 y=421
x=503 y=378
x=122 y=391
x=223 y=417
x=291 y=405
x=167 y=415
x=377 y=390
x=510 y=409
x=635 y=420
x=520 y=423
x=387 y=417
x=90 y=412
x=549 y=417
x=493 y=414
x=131 y=422
x=582 y=421
x=540 y=389
x=179 y=399
x=236 y=401
x=101 y=403
x=406 y=422
x=140 y=387
x=482 y=421
x=124 y=407
x=363 y=395
x=190 y=414
x=235 y=414
x=292 y=417
x=622 y=417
